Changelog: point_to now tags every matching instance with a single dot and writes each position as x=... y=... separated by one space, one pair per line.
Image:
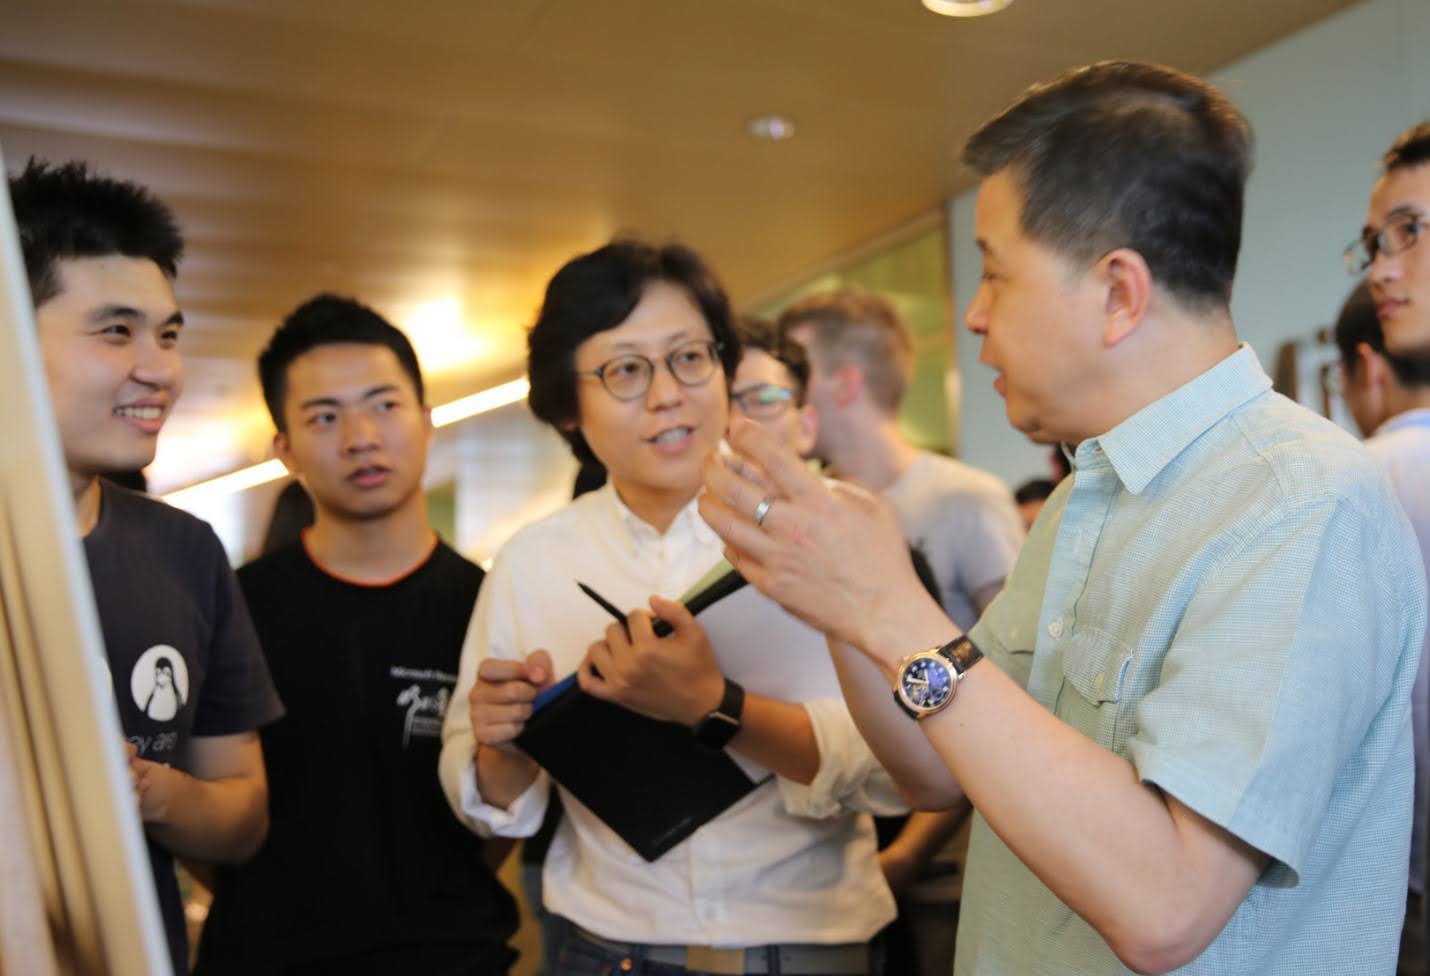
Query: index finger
x=498 y=669
x=784 y=468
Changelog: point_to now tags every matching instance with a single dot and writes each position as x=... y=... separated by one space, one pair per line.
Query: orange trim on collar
x=371 y=584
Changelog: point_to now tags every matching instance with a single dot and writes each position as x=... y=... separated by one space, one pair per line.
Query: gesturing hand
x=830 y=553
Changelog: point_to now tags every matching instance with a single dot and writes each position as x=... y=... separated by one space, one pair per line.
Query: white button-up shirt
x=788 y=863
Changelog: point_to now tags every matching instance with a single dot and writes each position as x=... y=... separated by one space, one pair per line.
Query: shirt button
x=1055 y=629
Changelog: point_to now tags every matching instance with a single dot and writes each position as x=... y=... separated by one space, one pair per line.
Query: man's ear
x=1371 y=368
x=283 y=451
x=1126 y=284
x=808 y=430
x=848 y=384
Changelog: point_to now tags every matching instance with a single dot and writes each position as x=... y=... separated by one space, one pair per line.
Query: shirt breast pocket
x=1095 y=697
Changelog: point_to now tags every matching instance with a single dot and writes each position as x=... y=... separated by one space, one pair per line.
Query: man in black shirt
x=189 y=683
x=362 y=621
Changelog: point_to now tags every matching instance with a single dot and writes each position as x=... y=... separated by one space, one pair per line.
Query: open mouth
x=369 y=476
x=672 y=437
x=147 y=417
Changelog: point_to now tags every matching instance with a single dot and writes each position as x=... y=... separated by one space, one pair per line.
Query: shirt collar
x=687 y=522
x=1144 y=444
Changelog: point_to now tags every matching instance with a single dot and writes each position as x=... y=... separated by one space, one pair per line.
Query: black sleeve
x=237 y=693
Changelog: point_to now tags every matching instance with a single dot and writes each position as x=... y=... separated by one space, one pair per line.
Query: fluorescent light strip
x=227 y=484
x=480 y=402
x=254 y=475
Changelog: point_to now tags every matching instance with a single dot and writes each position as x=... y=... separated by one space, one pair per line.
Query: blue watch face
x=928 y=683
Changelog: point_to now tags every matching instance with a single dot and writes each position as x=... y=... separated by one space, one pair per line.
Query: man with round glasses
x=1398 y=270
x=769 y=385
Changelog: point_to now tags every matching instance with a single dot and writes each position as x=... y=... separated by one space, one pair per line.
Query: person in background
x=1190 y=749
x=961 y=520
x=860 y=360
x=630 y=359
x=1386 y=251
x=770 y=384
x=189 y=681
x=361 y=620
x=1389 y=397
x=1030 y=496
x=292 y=513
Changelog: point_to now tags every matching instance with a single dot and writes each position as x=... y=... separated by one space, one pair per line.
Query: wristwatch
x=719 y=727
x=928 y=680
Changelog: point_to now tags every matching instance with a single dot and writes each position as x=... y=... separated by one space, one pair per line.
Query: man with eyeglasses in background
x=769 y=385
x=1399 y=272
x=1389 y=397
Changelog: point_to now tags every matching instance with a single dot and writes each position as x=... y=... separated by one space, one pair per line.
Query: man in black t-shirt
x=365 y=869
x=189 y=682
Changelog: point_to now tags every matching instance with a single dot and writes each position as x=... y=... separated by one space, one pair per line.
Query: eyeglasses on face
x=763 y=400
x=1399 y=234
x=628 y=377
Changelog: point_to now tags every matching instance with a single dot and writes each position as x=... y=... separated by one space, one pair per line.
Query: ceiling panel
x=451 y=153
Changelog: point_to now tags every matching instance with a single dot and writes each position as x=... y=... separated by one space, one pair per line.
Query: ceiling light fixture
x=772 y=127
x=483 y=401
x=966 y=8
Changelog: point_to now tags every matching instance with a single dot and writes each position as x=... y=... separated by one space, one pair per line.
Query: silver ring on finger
x=762 y=510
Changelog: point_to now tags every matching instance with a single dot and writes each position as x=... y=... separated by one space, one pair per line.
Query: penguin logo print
x=160 y=683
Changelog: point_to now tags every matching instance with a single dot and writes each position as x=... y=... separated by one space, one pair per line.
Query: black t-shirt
x=182 y=654
x=364 y=859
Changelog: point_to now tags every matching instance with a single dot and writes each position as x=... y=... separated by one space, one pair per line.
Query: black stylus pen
x=713 y=593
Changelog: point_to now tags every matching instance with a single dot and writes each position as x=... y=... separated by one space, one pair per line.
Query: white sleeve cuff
x=849 y=776
x=522 y=819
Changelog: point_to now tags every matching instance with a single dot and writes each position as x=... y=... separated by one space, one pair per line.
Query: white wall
x=1324 y=103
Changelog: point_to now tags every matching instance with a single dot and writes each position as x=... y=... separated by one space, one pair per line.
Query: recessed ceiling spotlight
x=771 y=127
x=966 y=8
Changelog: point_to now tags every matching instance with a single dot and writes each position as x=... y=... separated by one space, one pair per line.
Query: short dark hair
x=1034 y=490
x=1123 y=154
x=764 y=335
x=1410 y=148
x=1357 y=323
x=598 y=291
x=324 y=321
x=67 y=211
x=851 y=326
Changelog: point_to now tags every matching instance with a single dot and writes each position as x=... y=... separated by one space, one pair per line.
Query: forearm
x=779 y=736
x=1109 y=846
x=897 y=742
x=503 y=776
x=925 y=834
x=219 y=821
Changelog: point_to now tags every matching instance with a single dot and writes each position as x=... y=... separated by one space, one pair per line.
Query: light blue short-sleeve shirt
x=1227 y=594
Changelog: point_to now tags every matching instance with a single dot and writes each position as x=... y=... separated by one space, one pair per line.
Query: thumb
x=538 y=668
x=673 y=613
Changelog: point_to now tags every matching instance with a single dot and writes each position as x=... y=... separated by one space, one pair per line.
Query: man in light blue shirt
x=1191 y=748
x=1389 y=397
